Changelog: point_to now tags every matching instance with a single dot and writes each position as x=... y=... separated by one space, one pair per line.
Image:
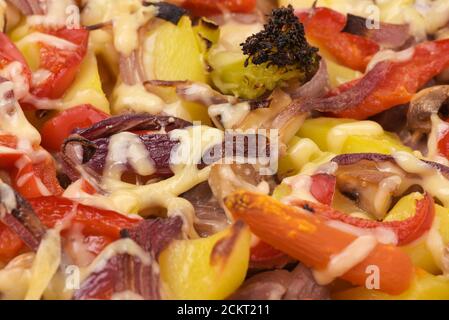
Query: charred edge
x=89 y=148
x=64 y=180
x=164 y=83
x=99 y=26
x=26 y=215
x=259 y=104
x=26 y=223
x=238 y=201
x=223 y=248
x=355 y=25
x=124 y=233
x=307 y=207
x=130 y=122
x=209 y=24
x=40 y=114
x=207 y=42
x=167 y=11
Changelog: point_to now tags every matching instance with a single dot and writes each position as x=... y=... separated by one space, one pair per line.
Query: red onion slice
x=21 y=218
x=127 y=273
x=390 y=36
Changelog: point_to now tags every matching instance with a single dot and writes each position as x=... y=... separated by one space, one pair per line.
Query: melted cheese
x=45 y=264
x=390 y=55
x=59 y=13
x=439 y=128
x=122 y=246
x=136 y=98
x=233 y=33
x=127 y=148
x=341 y=263
x=300 y=186
x=75 y=192
x=39 y=37
x=230 y=115
x=382 y=235
x=432 y=180
x=12 y=118
x=131 y=199
x=40 y=76
x=14 y=72
x=382 y=199
x=127 y=16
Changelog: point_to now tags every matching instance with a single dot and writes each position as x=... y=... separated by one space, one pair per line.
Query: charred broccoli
x=268 y=59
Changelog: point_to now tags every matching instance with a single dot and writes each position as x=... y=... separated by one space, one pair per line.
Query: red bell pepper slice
x=35 y=179
x=30 y=178
x=57 y=129
x=211 y=7
x=10 y=53
x=407 y=230
x=10 y=243
x=402 y=80
x=99 y=227
x=95 y=221
x=63 y=64
x=324 y=26
x=263 y=255
x=323 y=187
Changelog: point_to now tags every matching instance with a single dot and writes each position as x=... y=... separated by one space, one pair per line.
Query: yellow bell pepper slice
x=30 y=51
x=299 y=152
x=177 y=55
x=208 y=268
x=350 y=136
x=418 y=250
x=339 y=74
x=385 y=144
x=87 y=86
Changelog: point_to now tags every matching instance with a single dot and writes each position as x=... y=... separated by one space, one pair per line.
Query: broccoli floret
x=277 y=54
x=282 y=43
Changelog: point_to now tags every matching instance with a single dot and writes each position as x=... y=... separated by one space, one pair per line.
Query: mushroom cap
x=425 y=103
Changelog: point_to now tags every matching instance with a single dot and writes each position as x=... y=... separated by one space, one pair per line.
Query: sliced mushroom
x=371 y=189
x=425 y=103
x=224 y=179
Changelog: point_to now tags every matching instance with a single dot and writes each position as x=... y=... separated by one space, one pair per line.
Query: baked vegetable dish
x=224 y=149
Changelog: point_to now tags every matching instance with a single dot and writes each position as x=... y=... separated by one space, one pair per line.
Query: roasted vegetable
x=209 y=268
x=308 y=238
x=349 y=136
x=277 y=54
x=419 y=251
x=177 y=54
